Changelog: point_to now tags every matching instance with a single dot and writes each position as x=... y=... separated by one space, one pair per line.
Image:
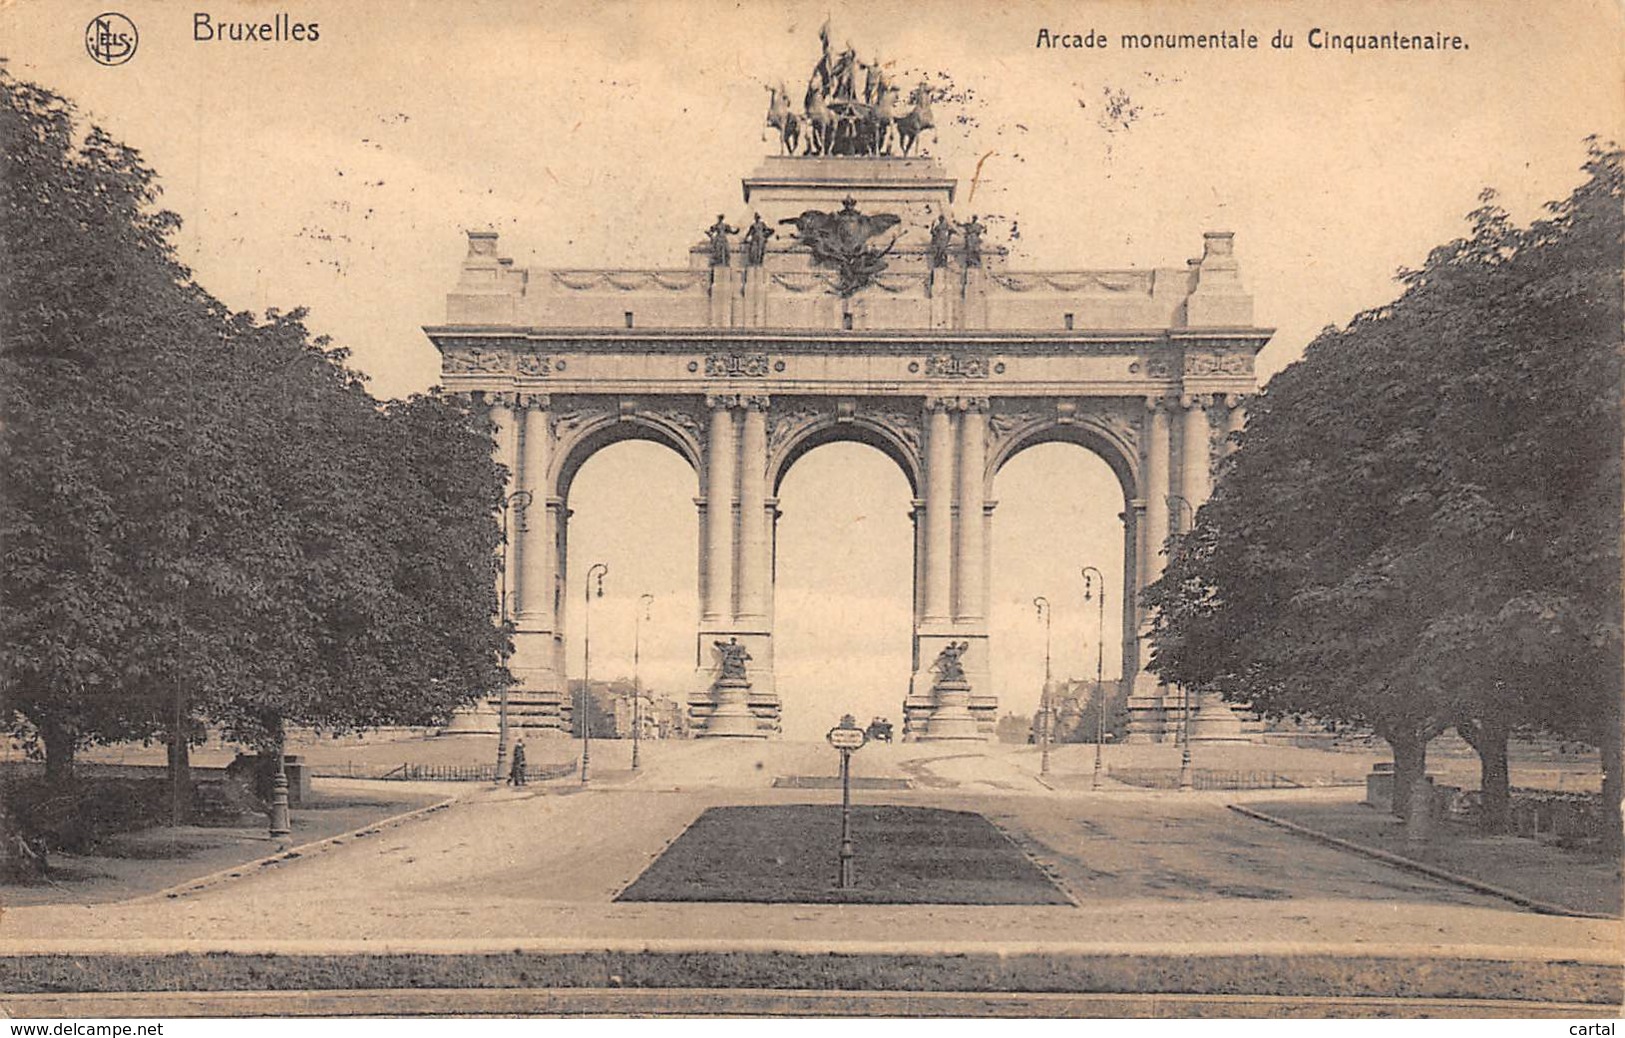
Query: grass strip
x=1306 y=975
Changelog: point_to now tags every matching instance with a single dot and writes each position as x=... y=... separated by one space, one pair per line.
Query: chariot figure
x=756 y=242
x=718 y=233
x=824 y=71
x=874 y=82
x=845 y=74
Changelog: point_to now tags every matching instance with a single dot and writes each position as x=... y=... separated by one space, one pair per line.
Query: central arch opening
x=1058 y=511
x=843 y=588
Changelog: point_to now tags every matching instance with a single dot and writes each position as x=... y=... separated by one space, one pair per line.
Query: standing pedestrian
x=516 y=774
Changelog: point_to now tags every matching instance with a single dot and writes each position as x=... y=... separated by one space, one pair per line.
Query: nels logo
x=111 y=39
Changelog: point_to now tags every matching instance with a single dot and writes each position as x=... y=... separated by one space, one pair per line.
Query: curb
x=762 y=1002
x=1432 y=871
x=214 y=879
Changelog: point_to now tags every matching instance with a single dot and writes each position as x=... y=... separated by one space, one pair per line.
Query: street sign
x=846 y=738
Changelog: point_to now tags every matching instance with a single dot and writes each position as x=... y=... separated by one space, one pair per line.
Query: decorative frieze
x=627 y=280
x=566 y=422
x=787 y=424
x=1077 y=281
x=535 y=365
x=680 y=418
x=905 y=427
x=473 y=360
x=1218 y=364
x=1002 y=424
x=737 y=365
x=1159 y=367
x=957 y=365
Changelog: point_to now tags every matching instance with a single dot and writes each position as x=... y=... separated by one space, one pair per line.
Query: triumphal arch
x=851 y=296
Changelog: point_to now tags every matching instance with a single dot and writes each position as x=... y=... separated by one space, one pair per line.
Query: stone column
x=939 y=520
x=1147 y=719
x=1211 y=720
x=1132 y=518
x=536 y=701
x=505 y=449
x=917 y=702
x=970 y=559
x=719 y=513
x=1157 y=489
x=1235 y=420
x=1196 y=454
x=753 y=546
x=535 y=539
x=559 y=521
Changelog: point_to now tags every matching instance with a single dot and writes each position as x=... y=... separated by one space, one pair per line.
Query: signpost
x=846 y=737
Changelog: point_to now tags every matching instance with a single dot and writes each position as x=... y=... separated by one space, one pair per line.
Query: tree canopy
x=1421 y=526
x=204 y=511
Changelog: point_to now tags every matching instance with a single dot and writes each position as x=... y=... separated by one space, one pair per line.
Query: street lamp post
x=520 y=500
x=1042 y=604
x=1091 y=575
x=1181 y=510
x=281 y=825
x=645 y=605
x=595 y=571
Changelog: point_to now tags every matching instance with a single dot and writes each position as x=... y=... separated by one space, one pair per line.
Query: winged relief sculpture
x=841 y=240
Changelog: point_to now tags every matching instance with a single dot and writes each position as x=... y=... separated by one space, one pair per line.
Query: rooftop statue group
x=837 y=119
x=840 y=240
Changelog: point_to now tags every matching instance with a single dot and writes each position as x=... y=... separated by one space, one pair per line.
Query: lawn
x=147 y=860
x=1582 y=880
x=788 y=854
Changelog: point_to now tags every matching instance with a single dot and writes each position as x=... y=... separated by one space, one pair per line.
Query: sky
x=341 y=175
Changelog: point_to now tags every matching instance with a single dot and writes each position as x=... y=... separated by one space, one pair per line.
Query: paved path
x=545 y=863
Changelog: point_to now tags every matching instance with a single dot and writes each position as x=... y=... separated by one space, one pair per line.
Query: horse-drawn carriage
x=847 y=126
x=879 y=730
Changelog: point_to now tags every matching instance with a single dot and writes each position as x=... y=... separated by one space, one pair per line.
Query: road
x=540 y=867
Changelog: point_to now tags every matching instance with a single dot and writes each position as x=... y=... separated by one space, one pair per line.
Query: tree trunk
x=1488 y=739
x=1613 y=778
x=59 y=747
x=1410 y=766
x=180 y=775
x=1494 y=779
x=1419 y=822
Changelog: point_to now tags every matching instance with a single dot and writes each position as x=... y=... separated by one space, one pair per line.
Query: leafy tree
x=1421 y=527
x=94 y=301
x=206 y=517
x=1077 y=714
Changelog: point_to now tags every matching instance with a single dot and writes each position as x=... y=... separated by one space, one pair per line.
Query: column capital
x=1234 y=400
x=1192 y=401
x=756 y=401
x=722 y=401
x=507 y=400
x=1156 y=403
x=938 y=404
x=535 y=402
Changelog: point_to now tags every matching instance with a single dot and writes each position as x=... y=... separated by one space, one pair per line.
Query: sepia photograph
x=885 y=509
